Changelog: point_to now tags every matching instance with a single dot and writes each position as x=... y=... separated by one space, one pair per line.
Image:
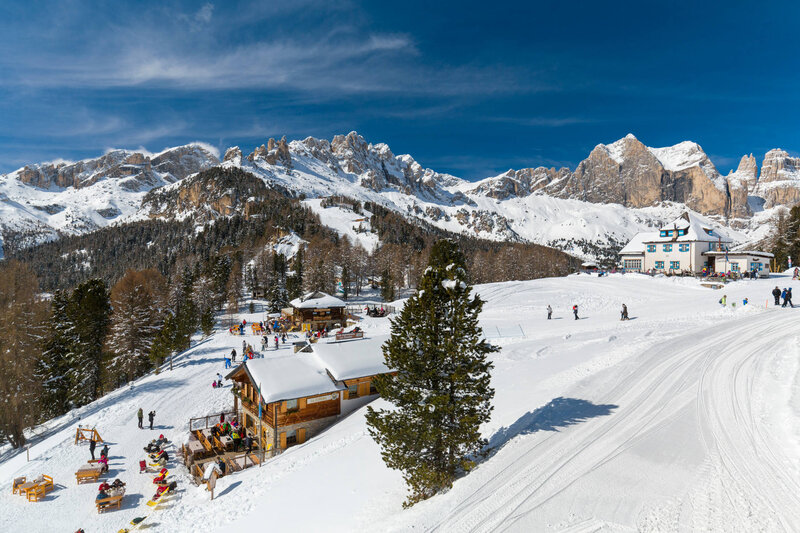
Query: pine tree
x=89 y=309
x=294 y=283
x=442 y=391
x=51 y=368
x=345 y=282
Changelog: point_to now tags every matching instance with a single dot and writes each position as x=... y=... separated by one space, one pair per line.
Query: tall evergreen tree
x=294 y=283
x=89 y=309
x=442 y=391
x=51 y=369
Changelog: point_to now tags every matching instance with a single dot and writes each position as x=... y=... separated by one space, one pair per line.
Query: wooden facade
x=297 y=419
x=318 y=318
x=359 y=387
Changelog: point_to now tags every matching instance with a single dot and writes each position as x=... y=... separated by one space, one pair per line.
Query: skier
x=624 y=312
x=575 y=311
x=788 y=299
x=549 y=312
x=92 y=446
x=776 y=293
x=151 y=416
x=140 y=414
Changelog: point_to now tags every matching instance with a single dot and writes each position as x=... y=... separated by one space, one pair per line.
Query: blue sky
x=471 y=88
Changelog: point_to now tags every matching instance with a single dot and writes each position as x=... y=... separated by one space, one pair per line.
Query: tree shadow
x=557 y=414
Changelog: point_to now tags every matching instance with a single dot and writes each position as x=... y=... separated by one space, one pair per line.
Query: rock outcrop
x=136 y=169
x=779 y=183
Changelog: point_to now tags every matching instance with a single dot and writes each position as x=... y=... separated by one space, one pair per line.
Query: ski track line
x=655 y=389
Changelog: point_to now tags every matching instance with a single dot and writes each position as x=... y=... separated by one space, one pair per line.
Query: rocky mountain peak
x=137 y=170
x=779 y=183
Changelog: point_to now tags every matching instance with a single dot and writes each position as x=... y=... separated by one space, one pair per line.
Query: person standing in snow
x=549 y=312
x=151 y=416
x=244 y=347
x=783 y=296
x=575 y=311
x=233 y=355
x=724 y=300
x=788 y=299
x=624 y=312
x=140 y=414
x=92 y=446
x=776 y=293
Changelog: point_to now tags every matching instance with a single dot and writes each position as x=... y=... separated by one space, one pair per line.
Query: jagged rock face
x=135 y=168
x=626 y=172
x=779 y=183
x=740 y=183
x=273 y=153
x=233 y=154
x=521 y=182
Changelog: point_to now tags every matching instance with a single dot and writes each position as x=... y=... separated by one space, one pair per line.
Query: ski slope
x=684 y=418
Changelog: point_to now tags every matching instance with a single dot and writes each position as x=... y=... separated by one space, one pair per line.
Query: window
x=291 y=437
x=734 y=267
x=291 y=405
x=660 y=265
x=756 y=266
x=352 y=391
x=665 y=233
x=633 y=264
x=674 y=265
x=683 y=247
x=682 y=231
x=651 y=248
x=667 y=247
x=372 y=388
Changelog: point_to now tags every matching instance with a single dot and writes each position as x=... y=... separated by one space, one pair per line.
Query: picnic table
x=227 y=441
x=195 y=447
x=88 y=473
x=36 y=489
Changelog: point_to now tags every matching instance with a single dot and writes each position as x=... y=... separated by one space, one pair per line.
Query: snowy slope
x=684 y=418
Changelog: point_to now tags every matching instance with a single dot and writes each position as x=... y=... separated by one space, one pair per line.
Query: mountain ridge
x=619 y=189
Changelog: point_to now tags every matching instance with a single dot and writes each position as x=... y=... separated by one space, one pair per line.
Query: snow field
x=683 y=418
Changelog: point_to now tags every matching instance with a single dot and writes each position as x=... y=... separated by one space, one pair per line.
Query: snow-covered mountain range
x=618 y=190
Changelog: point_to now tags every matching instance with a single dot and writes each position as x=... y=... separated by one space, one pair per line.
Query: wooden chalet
x=316 y=310
x=305 y=392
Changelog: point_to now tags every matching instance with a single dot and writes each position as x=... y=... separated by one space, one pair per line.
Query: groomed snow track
x=700 y=399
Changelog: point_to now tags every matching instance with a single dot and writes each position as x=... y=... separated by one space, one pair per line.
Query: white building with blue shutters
x=683 y=245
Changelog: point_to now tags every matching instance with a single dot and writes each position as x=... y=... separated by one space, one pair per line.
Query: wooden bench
x=37 y=493
x=106 y=503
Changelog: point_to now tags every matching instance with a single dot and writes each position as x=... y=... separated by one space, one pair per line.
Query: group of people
x=103 y=461
x=107 y=490
x=217 y=383
x=375 y=311
x=785 y=295
x=140 y=415
x=277 y=339
x=238 y=434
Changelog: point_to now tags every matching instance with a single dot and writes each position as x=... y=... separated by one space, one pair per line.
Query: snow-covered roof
x=352 y=359
x=289 y=377
x=317 y=300
x=636 y=246
x=695 y=231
